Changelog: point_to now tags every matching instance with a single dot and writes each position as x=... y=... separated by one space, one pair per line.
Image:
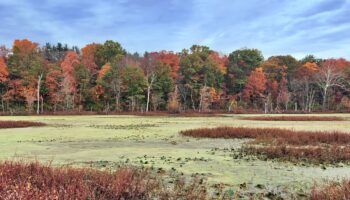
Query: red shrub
x=293 y=118
x=36 y=181
x=19 y=124
x=332 y=154
x=317 y=147
x=272 y=135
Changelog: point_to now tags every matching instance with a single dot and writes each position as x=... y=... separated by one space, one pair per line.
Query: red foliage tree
x=283 y=95
x=53 y=82
x=14 y=91
x=255 y=86
x=171 y=59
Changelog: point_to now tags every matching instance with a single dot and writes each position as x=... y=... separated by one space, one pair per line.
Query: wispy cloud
x=299 y=27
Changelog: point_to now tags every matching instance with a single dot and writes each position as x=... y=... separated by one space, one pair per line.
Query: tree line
x=105 y=77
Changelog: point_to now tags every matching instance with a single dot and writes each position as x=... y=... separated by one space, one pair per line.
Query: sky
x=276 y=27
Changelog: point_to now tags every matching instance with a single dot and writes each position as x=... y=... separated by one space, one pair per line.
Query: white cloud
x=319 y=27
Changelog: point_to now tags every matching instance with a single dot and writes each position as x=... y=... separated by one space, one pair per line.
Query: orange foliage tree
x=4 y=72
x=88 y=57
x=220 y=61
x=53 y=82
x=24 y=47
x=27 y=65
x=69 y=85
x=101 y=86
x=4 y=75
x=255 y=86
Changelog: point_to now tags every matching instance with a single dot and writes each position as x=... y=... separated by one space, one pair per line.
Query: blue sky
x=276 y=27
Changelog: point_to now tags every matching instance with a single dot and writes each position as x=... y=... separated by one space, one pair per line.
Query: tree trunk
x=117 y=102
x=149 y=87
x=2 y=105
x=325 y=90
x=42 y=104
x=192 y=101
x=148 y=96
x=38 y=94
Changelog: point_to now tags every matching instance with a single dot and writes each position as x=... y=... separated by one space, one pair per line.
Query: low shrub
x=272 y=135
x=37 y=181
x=19 y=124
x=331 y=191
x=313 y=146
x=317 y=155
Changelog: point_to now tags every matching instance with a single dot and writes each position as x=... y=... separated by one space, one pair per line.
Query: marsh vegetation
x=243 y=166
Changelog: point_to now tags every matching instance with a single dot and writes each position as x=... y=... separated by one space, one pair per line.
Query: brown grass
x=36 y=181
x=316 y=147
x=331 y=191
x=19 y=124
x=293 y=118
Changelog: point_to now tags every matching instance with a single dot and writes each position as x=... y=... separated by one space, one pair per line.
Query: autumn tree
x=4 y=75
x=106 y=77
x=283 y=93
x=163 y=84
x=69 y=84
x=303 y=85
x=83 y=83
x=104 y=53
x=148 y=66
x=27 y=65
x=174 y=104
x=254 y=89
x=172 y=60
x=54 y=82
x=288 y=61
x=330 y=75
x=207 y=95
x=135 y=81
x=88 y=57
x=197 y=71
x=102 y=88
x=240 y=64
x=220 y=60
x=160 y=72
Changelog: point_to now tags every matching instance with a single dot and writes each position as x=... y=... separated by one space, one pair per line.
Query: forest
x=107 y=78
